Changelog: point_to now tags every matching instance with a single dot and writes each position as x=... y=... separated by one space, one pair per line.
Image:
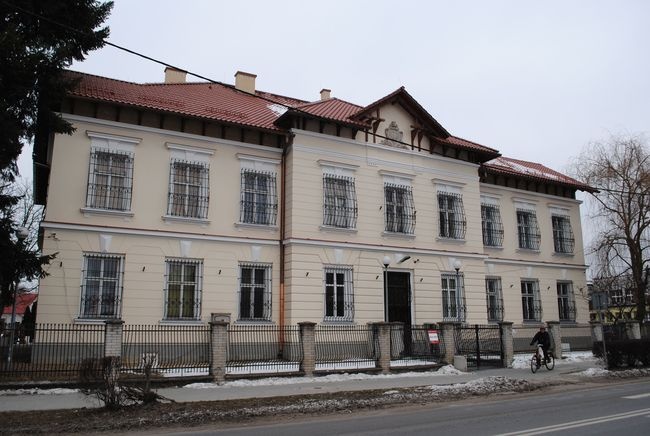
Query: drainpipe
x=283 y=202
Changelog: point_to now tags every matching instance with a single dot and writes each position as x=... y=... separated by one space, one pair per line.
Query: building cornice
x=535 y=263
x=490 y=189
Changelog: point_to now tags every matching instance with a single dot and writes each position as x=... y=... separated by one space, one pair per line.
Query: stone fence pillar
x=555 y=331
x=382 y=330
x=632 y=329
x=596 y=331
x=219 y=357
x=449 y=341
x=507 y=346
x=308 y=339
x=113 y=338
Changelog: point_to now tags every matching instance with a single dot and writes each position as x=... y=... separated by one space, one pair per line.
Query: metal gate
x=480 y=344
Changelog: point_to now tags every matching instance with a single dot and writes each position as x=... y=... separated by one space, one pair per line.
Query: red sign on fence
x=433 y=337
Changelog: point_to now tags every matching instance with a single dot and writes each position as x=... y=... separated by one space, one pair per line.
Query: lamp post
x=386 y=262
x=457 y=266
x=21 y=233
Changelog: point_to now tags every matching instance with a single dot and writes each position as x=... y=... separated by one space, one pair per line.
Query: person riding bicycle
x=544 y=339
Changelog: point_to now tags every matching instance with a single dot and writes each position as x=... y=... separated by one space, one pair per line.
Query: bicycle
x=538 y=360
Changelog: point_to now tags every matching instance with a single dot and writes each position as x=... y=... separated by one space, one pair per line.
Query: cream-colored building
x=175 y=201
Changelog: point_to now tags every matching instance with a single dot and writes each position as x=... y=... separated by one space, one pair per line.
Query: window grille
x=563 y=240
x=400 y=210
x=110 y=178
x=254 y=292
x=101 y=287
x=339 y=298
x=528 y=230
x=453 y=300
x=492 y=225
x=183 y=289
x=189 y=190
x=530 y=301
x=452 y=215
x=566 y=301
x=494 y=298
x=259 y=201
x=340 y=202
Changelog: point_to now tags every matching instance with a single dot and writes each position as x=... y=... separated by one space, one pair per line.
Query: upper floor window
x=530 y=300
x=563 y=240
x=189 y=190
x=339 y=302
x=528 y=230
x=183 y=289
x=259 y=200
x=101 y=286
x=566 y=304
x=453 y=302
x=254 y=292
x=339 y=202
x=492 y=225
x=110 y=180
x=399 y=207
x=452 y=223
x=494 y=298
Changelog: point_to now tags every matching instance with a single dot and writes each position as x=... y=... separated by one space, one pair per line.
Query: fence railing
x=410 y=346
x=346 y=347
x=480 y=344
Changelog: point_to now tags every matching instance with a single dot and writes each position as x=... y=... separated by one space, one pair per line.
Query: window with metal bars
x=259 y=200
x=452 y=223
x=189 y=189
x=528 y=230
x=400 y=210
x=254 y=292
x=563 y=240
x=566 y=304
x=339 y=202
x=530 y=301
x=492 y=225
x=183 y=280
x=339 y=300
x=110 y=180
x=494 y=298
x=453 y=301
x=101 y=286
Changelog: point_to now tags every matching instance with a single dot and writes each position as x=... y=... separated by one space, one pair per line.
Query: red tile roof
x=334 y=109
x=22 y=302
x=531 y=170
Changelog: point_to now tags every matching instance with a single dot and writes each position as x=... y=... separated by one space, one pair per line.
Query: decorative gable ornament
x=393 y=136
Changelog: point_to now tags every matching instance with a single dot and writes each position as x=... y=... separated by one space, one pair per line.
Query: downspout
x=283 y=203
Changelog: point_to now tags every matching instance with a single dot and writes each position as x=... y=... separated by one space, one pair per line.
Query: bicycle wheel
x=550 y=362
x=533 y=364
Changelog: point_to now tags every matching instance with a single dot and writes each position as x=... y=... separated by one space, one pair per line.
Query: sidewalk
x=277 y=387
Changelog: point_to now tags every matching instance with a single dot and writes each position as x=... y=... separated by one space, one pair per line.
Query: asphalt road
x=611 y=408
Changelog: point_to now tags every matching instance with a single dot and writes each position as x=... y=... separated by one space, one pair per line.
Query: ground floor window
x=494 y=298
x=339 y=301
x=183 y=289
x=566 y=304
x=530 y=302
x=101 y=286
x=254 y=292
x=453 y=307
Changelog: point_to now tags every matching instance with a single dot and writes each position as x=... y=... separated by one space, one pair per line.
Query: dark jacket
x=542 y=338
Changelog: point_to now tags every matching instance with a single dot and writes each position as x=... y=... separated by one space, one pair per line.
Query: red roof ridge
x=475 y=143
x=318 y=102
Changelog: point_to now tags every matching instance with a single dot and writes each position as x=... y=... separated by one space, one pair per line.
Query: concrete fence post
x=382 y=330
x=596 y=331
x=113 y=338
x=632 y=329
x=507 y=345
x=449 y=341
x=219 y=350
x=555 y=331
x=308 y=339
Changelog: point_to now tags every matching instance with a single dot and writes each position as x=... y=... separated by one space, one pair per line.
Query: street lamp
x=21 y=233
x=457 y=266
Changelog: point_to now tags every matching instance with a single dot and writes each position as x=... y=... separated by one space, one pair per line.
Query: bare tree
x=620 y=170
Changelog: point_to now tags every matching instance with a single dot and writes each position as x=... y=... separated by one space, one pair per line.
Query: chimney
x=325 y=94
x=245 y=82
x=172 y=75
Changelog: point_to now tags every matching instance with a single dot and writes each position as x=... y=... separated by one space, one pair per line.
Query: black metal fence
x=577 y=337
x=345 y=347
x=411 y=346
x=480 y=344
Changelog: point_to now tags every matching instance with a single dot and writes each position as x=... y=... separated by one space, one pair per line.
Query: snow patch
x=277 y=109
x=594 y=372
x=37 y=391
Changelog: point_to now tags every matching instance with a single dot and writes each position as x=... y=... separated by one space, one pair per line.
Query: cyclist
x=544 y=339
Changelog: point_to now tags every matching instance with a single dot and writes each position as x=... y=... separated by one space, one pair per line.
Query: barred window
x=101 y=287
x=452 y=215
x=566 y=304
x=400 y=210
x=492 y=225
x=530 y=300
x=183 y=289
x=453 y=302
x=339 y=301
x=563 y=240
x=254 y=292
x=259 y=201
x=528 y=230
x=494 y=298
x=110 y=180
x=189 y=190
x=340 y=201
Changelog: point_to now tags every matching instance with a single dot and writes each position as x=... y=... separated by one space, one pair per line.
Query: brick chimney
x=325 y=94
x=172 y=75
x=245 y=82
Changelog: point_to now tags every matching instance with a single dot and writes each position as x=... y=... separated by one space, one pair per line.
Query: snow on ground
x=522 y=361
x=37 y=391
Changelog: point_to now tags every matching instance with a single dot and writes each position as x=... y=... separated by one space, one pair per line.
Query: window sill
x=268 y=227
x=332 y=322
x=100 y=321
x=493 y=247
x=450 y=240
x=180 y=322
x=106 y=212
x=334 y=229
x=185 y=220
x=528 y=250
x=558 y=254
x=254 y=322
x=398 y=235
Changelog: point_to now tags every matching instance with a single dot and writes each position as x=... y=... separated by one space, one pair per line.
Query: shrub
x=624 y=352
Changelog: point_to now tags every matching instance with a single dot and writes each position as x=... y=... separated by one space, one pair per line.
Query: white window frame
x=566 y=302
x=200 y=183
x=85 y=311
x=342 y=294
x=184 y=282
x=453 y=299
x=248 y=290
x=493 y=288
x=530 y=300
x=339 y=211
